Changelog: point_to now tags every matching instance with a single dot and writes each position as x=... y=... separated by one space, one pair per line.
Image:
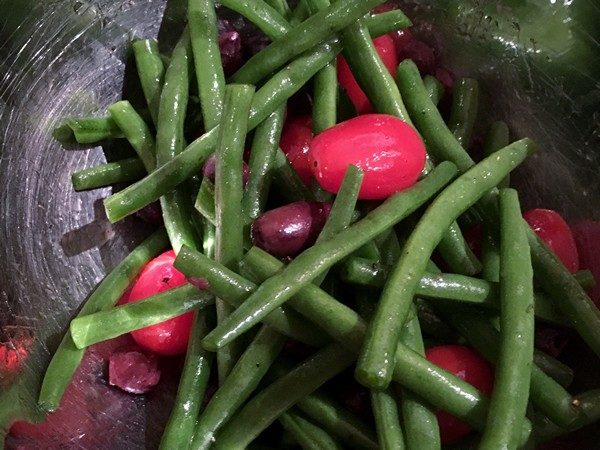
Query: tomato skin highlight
x=386 y=49
x=554 y=231
x=469 y=366
x=387 y=149
x=171 y=336
x=295 y=141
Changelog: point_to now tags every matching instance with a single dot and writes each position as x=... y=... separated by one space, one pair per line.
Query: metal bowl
x=537 y=61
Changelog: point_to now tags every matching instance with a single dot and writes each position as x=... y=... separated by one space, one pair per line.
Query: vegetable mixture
x=328 y=228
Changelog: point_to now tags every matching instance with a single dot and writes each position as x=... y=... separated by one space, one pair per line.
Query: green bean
x=299 y=14
x=588 y=402
x=266 y=18
x=586 y=279
x=271 y=96
x=387 y=420
x=314 y=30
x=179 y=430
x=136 y=131
x=441 y=143
x=205 y=200
x=281 y=6
x=151 y=71
x=490 y=254
x=498 y=136
x=435 y=89
x=202 y=22
x=262 y=155
x=376 y=359
x=325 y=92
x=320 y=257
x=386 y=22
x=547 y=395
x=370 y=72
x=107 y=174
x=307 y=434
x=465 y=96
x=552 y=367
x=271 y=402
x=243 y=379
x=229 y=243
x=334 y=419
x=513 y=367
x=107 y=324
x=67 y=357
x=457 y=253
x=88 y=130
x=287 y=181
x=574 y=303
x=208 y=238
x=412 y=371
x=282 y=319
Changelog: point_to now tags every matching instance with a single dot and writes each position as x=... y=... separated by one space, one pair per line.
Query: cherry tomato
x=295 y=142
x=387 y=149
x=587 y=238
x=171 y=336
x=384 y=45
x=469 y=366
x=554 y=231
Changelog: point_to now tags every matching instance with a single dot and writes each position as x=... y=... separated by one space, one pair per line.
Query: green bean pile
x=355 y=299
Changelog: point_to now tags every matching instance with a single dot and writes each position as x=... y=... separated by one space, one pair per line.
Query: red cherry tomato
x=387 y=52
x=554 y=231
x=387 y=149
x=171 y=336
x=469 y=366
x=295 y=142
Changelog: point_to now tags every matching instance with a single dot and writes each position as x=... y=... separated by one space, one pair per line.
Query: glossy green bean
x=561 y=373
x=387 y=420
x=262 y=155
x=67 y=357
x=299 y=13
x=320 y=257
x=208 y=238
x=546 y=394
x=108 y=174
x=412 y=371
x=151 y=72
x=567 y=295
x=515 y=356
x=204 y=36
x=107 y=324
x=186 y=164
x=371 y=74
x=465 y=101
x=337 y=421
x=376 y=359
x=286 y=180
x=314 y=30
x=265 y=17
x=88 y=130
x=434 y=88
x=243 y=379
x=281 y=6
x=309 y=435
x=325 y=92
x=136 y=131
x=586 y=279
x=498 y=137
x=275 y=399
x=386 y=22
x=456 y=252
x=490 y=253
x=205 y=200
x=179 y=429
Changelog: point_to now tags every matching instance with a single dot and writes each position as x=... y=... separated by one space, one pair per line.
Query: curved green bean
x=107 y=174
x=204 y=37
x=264 y=16
x=151 y=72
x=179 y=429
x=374 y=367
x=465 y=101
x=387 y=420
x=88 y=130
x=515 y=355
x=136 y=131
x=243 y=379
x=320 y=257
x=309 y=435
x=67 y=357
x=386 y=22
x=435 y=89
x=561 y=373
x=456 y=252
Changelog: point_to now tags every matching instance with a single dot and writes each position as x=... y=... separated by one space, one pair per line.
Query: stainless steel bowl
x=537 y=61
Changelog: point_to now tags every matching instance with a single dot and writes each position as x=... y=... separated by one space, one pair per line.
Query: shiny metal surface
x=63 y=58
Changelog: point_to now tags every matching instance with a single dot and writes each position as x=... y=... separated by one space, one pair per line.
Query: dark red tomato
x=469 y=366
x=295 y=142
x=387 y=149
x=554 y=231
x=171 y=336
x=387 y=52
x=587 y=238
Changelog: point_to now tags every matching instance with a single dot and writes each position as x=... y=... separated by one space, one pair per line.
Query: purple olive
x=230 y=45
x=289 y=229
x=133 y=371
x=210 y=167
x=151 y=214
